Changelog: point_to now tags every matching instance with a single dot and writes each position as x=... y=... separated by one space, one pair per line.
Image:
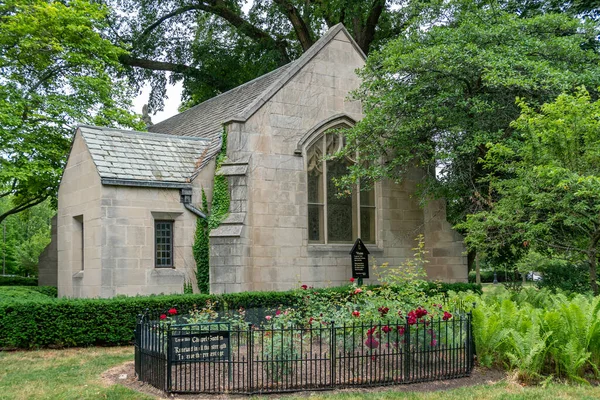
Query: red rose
x=304 y=287
x=386 y=329
x=163 y=316
x=310 y=321
x=278 y=312
x=356 y=313
x=352 y=280
x=383 y=311
x=401 y=329
x=371 y=342
x=172 y=311
x=371 y=331
x=412 y=318
x=420 y=312
x=446 y=316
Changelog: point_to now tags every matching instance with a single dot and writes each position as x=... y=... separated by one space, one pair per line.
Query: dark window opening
x=163 y=233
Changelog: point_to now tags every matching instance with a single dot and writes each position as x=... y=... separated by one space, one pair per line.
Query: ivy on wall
x=218 y=212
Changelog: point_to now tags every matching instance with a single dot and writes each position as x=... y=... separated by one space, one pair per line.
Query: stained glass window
x=335 y=217
x=163 y=233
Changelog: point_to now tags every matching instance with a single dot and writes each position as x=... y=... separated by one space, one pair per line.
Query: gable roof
x=239 y=104
x=142 y=158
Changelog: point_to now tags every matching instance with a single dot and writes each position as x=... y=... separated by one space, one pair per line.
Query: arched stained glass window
x=331 y=218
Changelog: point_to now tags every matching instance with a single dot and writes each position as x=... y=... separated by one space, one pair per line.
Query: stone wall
x=79 y=197
x=275 y=232
x=118 y=233
x=48 y=260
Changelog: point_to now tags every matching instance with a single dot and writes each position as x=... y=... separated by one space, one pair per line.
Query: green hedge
x=17 y=281
x=49 y=291
x=105 y=322
x=488 y=276
x=11 y=294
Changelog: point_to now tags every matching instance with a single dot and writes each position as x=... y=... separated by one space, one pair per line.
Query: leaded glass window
x=333 y=218
x=163 y=234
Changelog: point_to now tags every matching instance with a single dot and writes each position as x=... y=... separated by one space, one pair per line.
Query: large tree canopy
x=56 y=70
x=435 y=97
x=215 y=45
x=548 y=183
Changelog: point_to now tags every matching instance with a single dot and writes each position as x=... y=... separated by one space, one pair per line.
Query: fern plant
x=527 y=350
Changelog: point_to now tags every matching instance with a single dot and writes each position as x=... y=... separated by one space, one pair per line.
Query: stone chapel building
x=128 y=201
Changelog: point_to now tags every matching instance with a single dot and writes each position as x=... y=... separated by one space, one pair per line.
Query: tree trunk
x=477 y=270
x=592 y=258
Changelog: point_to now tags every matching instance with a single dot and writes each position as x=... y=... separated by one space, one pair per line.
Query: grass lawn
x=75 y=374
x=62 y=374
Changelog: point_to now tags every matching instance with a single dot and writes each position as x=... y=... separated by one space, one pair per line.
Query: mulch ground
x=125 y=375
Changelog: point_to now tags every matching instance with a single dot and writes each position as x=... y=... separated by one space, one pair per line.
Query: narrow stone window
x=163 y=234
x=333 y=218
x=78 y=244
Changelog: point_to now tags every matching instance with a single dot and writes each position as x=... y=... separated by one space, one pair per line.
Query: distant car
x=534 y=276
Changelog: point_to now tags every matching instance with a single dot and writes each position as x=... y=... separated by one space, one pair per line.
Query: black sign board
x=200 y=346
x=360 y=260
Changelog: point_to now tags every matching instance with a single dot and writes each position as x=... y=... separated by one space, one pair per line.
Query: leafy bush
x=538 y=333
x=25 y=293
x=487 y=276
x=84 y=322
x=49 y=291
x=17 y=281
x=46 y=322
x=565 y=276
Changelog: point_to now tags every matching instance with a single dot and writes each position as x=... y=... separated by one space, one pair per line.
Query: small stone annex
x=129 y=201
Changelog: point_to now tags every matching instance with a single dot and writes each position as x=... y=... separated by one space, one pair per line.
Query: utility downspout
x=186 y=199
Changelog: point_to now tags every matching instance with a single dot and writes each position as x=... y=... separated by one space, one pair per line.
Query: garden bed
x=218 y=358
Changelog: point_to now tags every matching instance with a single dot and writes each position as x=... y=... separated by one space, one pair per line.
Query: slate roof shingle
x=206 y=119
x=143 y=156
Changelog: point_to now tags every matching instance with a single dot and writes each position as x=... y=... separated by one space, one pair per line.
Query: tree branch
x=220 y=9
x=155 y=65
x=300 y=26
x=368 y=31
x=12 y=188
x=162 y=19
x=23 y=207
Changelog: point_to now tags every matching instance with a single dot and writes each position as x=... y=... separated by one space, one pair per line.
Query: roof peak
x=149 y=135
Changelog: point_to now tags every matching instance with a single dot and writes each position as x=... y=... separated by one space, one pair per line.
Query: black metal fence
x=225 y=358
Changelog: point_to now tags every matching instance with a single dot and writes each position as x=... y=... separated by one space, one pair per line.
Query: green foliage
x=10 y=294
x=218 y=212
x=58 y=70
x=27 y=234
x=487 y=276
x=547 y=185
x=539 y=333
x=188 y=288
x=213 y=47
x=433 y=98
x=201 y=249
x=85 y=322
x=17 y=281
x=109 y=322
x=565 y=276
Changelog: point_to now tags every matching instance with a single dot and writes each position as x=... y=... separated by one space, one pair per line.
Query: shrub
x=49 y=291
x=84 y=322
x=538 y=333
x=564 y=276
x=26 y=293
x=17 y=281
x=488 y=276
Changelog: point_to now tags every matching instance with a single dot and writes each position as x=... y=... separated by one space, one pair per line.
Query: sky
x=171 y=103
